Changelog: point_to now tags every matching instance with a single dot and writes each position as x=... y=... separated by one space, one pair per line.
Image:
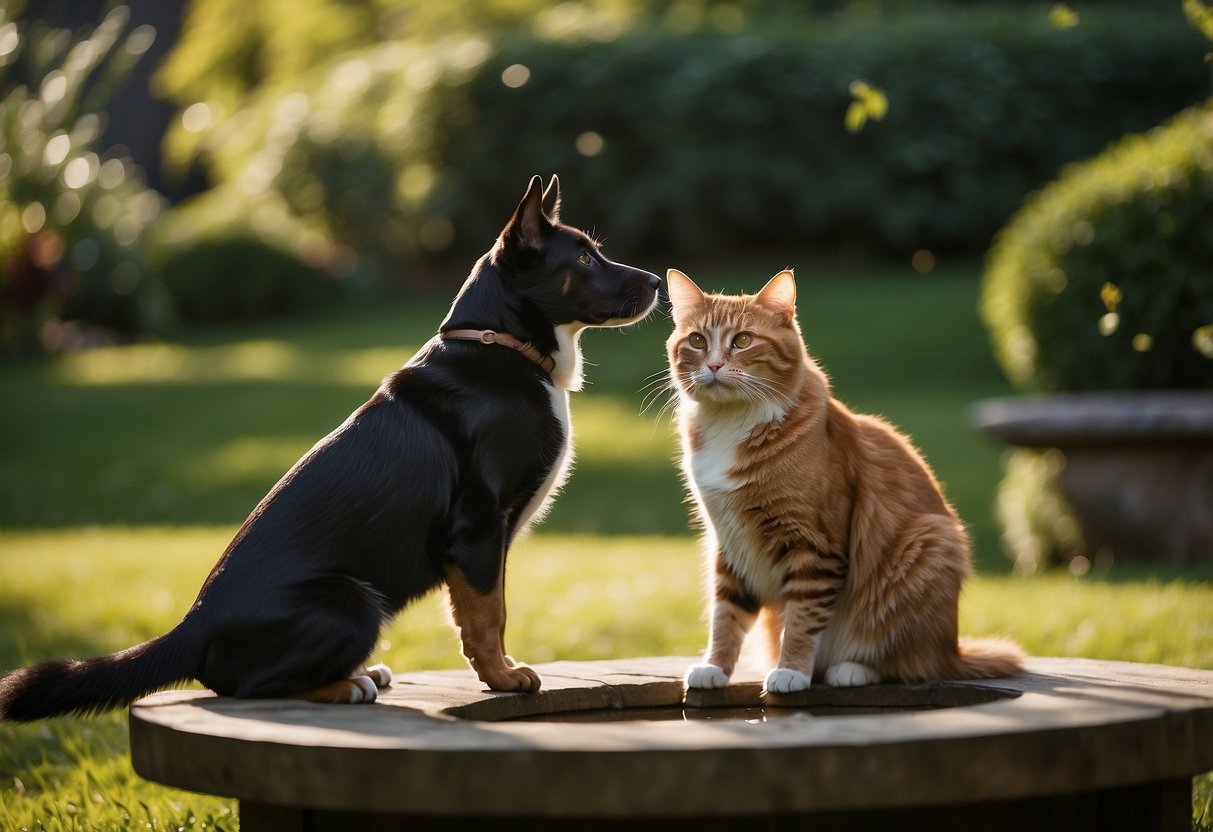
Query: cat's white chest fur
x=708 y=467
x=710 y=461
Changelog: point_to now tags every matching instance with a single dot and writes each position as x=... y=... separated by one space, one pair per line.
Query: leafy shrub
x=1104 y=280
x=344 y=159
x=683 y=139
x=72 y=221
x=221 y=260
x=1038 y=526
x=712 y=140
x=230 y=49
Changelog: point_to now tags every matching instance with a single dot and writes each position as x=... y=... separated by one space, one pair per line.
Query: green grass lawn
x=125 y=471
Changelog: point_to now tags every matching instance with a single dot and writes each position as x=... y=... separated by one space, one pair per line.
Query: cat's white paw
x=381 y=674
x=786 y=680
x=706 y=677
x=363 y=690
x=851 y=675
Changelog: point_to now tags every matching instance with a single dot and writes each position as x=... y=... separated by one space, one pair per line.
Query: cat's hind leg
x=851 y=675
x=911 y=626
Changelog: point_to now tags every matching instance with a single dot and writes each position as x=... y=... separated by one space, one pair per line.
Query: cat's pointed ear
x=529 y=225
x=551 y=199
x=779 y=294
x=684 y=294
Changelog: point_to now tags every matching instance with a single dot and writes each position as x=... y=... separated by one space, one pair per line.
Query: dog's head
x=562 y=271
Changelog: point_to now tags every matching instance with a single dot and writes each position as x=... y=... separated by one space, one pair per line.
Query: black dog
x=425 y=484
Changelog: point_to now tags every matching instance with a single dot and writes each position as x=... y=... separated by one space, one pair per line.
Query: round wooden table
x=1073 y=744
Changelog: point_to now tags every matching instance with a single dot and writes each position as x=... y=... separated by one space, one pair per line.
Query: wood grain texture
x=1068 y=727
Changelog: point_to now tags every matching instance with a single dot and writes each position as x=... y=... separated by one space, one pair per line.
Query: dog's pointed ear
x=779 y=295
x=551 y=199
x=529 y=225
x=684 y=294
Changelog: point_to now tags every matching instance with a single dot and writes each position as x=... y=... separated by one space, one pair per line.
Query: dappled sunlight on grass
x=1059 y=615
x=127 y=471
x=85 y=591
x=240 y=361
x=98 y=589
x=50 y=789
x=586 y=597
x=248 y=459
x=612 y=429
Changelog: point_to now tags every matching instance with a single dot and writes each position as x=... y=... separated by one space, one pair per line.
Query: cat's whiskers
x=664 y=384
x=765 y=387
x=654 y=384
x=655 y=390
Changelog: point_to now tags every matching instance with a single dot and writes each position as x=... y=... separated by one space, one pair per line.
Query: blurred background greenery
x=222 y=222
x=317 y=149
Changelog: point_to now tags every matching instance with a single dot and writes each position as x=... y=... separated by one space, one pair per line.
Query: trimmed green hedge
x=221 y=261
x=1104 y=280
x=716 y=141
x=677 y=140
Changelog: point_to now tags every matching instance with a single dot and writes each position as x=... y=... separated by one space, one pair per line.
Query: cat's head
x=735 y=349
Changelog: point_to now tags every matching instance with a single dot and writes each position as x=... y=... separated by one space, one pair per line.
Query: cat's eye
x=743 y=340
x=697 y=341
x=585 y=258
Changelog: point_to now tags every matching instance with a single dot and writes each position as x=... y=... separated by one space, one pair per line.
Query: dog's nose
x=653 y=280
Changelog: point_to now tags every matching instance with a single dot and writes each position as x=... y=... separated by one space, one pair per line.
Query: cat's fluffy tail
x=87 y=686
x=987 y=658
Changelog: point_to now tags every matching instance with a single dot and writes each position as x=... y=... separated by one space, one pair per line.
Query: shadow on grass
x=189 y=453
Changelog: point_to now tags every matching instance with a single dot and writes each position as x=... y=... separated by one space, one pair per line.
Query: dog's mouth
x=640 y=300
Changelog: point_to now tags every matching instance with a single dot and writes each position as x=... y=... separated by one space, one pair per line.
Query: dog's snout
x=652 y=280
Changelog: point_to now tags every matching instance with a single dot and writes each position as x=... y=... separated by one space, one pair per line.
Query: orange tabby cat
x=827 y=522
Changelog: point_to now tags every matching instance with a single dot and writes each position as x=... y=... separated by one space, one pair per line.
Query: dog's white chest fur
x=709 y=470
x=542 y=501
x=565 y=376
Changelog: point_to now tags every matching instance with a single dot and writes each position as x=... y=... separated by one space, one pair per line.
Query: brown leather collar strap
x=488 y=336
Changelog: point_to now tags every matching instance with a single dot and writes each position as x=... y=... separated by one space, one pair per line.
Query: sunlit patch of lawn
x=83 y=591
x=126 y=470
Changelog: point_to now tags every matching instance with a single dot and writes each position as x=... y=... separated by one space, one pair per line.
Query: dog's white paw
x=706 y=677
x=381 y=674
x=785 y=680
x=851 y=675
x=363 y=690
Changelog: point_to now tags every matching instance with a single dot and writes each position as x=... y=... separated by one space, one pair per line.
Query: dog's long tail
x=85 y=686
x=987 y=658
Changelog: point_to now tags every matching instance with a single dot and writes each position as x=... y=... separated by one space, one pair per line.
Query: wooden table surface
x=437 y=744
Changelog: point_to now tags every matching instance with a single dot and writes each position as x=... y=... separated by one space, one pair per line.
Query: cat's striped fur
x=826 y=523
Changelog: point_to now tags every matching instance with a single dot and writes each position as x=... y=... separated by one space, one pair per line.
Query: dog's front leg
x=480 y=617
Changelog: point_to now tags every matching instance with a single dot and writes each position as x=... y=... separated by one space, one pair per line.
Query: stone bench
x=1073 y=744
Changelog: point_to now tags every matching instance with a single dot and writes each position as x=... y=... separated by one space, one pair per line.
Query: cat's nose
x=714 y=367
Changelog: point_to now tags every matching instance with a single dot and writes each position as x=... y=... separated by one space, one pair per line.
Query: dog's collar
x=489 y=336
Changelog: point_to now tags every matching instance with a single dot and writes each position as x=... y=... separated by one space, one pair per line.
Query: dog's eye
x=698 y=341
x=585 y=258
x=743 y=340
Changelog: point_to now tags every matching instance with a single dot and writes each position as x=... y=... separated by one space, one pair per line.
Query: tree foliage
x=72 y=218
